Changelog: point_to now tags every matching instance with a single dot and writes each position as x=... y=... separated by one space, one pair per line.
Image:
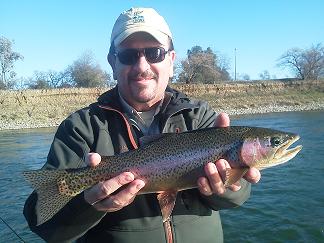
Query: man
x=141 y=56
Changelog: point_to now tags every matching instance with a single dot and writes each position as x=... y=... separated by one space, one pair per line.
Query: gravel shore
x=30 y=123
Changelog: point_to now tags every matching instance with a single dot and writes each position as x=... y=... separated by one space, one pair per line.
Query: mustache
x=148 y=74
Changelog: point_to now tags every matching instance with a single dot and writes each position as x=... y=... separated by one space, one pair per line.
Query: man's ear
x=112 y=61
x=172 y=59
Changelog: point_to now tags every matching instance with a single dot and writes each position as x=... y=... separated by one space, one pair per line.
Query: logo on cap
x=137 y=17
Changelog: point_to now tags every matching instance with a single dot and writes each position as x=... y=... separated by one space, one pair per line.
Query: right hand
x=100 y=194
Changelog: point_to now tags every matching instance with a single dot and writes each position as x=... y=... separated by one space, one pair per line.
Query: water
x=286 y=206
x=19 y=150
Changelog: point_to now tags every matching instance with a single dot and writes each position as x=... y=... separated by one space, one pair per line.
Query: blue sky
x=52 y=34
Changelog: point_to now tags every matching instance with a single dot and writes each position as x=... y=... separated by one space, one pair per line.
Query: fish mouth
x=283 y=154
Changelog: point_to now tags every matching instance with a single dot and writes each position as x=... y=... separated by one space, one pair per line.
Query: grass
x=35 y=108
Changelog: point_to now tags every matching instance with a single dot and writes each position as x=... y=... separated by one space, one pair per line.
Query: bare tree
x=7 y=59
x=265 y=75
x=50 y=79
x=305 y=64
x=200 y=66
x=86 y=73
x=39 y=81
x=197 y=67
x=244 y=77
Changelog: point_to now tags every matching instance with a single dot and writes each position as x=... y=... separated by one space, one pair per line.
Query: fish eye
x=275 y=141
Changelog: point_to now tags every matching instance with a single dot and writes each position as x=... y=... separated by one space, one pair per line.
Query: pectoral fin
x=233 y=175
x=167 y=201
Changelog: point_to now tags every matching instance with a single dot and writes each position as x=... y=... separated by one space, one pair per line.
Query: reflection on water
x=286 y=206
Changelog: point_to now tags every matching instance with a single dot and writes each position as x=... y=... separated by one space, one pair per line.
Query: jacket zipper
x=128 y=126
x=168 y=230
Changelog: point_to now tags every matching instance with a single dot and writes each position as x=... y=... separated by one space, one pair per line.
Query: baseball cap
x=140 y=20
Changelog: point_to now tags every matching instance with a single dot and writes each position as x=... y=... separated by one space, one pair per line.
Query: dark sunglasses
x=152 y=55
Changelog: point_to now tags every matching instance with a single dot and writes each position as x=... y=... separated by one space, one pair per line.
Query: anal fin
x=234 y=174
x=167 y=201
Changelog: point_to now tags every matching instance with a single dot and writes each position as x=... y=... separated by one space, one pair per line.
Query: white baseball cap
x=140 y=20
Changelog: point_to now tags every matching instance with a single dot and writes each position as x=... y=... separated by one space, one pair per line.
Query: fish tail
x=49 y=201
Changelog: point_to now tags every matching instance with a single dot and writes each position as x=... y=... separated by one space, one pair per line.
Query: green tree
x=85 y=72
x=304 y=63
x=7 y=59
x=202 y=66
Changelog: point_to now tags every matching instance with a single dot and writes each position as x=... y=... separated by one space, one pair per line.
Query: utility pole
x=235 y=64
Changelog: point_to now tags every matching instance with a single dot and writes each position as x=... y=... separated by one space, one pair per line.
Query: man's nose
x=142 y=64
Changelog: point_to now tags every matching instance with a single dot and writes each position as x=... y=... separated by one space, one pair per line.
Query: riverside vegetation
x=46 y=108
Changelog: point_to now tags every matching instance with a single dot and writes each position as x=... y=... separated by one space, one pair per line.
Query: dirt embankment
x=261 y=97
x=44 y=108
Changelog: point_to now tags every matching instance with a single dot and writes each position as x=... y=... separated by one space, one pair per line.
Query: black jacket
x=101 y=128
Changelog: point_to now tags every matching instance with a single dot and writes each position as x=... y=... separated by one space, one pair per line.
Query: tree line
x=83 y=72
x=200 y=66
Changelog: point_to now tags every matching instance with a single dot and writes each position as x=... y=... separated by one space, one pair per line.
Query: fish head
x=263 y=148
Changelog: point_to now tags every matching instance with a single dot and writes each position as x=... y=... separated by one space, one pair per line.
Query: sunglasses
x=152 y=55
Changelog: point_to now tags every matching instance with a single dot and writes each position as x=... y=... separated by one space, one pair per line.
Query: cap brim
x=161 y=37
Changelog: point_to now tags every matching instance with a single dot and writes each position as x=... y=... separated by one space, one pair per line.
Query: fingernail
x=203 y=187
x=140 y=185
x=212 y=168
x=129 y=177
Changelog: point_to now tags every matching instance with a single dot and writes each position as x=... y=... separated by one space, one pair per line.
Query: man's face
x=142 y=84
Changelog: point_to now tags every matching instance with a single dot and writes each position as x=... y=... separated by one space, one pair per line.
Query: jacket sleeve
x=206 y=118
x=71 y=143
x=229 y=199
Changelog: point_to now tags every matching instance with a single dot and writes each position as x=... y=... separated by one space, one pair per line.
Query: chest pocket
x=178 y=124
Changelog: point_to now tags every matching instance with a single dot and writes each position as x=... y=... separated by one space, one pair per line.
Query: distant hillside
x=43 y=108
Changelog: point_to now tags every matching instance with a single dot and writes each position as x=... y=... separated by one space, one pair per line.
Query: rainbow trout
x=168 y=163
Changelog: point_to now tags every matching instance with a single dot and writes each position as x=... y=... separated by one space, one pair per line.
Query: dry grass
x=35 y=108
x=43 y=106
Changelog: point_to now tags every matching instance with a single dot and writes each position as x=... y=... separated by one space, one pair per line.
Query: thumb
x=222 y=120
x=92 y=159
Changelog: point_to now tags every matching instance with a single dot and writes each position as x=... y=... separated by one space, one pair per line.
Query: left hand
x=215 y=172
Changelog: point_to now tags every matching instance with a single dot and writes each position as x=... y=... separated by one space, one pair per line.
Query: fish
x=168 y=163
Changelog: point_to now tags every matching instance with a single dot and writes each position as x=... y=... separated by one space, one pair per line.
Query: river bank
x=47 y=108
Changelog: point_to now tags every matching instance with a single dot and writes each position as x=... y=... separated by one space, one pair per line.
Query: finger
x=235 y=187
x=122 y=198
x=222 y=166
x=204 y=187
x=222 y=120
x=214 y=178
x=104 y=189
x=253 y=175
x=92 y=159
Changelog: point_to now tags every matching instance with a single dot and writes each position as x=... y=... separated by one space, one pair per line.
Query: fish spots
x=73 y=184
x=62 y=186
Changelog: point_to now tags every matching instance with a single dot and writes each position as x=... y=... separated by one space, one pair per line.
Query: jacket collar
x=174 y=101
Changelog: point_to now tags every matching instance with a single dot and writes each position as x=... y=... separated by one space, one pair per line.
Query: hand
x=213 y=183
x=100 y=195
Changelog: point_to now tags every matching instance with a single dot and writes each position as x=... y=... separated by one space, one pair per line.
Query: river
x=287 y=205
